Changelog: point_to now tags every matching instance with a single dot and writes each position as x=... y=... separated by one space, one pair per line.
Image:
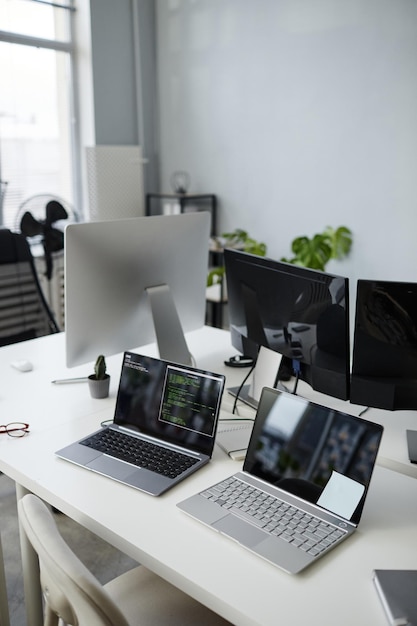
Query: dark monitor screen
x=301 y=313
x=384 y=368
x=165 y=400
x=303 y=447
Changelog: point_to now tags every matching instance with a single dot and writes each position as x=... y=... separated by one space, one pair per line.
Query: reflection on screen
x=297 y=312
x=384 y=368
x=300 y=446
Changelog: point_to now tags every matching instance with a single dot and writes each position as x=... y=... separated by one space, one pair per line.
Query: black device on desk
x=384 y=367
x=302 y=314
x=240 y=361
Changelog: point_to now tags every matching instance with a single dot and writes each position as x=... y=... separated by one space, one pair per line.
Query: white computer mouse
x=23 y=365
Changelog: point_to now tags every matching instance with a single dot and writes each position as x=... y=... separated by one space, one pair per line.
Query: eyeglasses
x=15 y=429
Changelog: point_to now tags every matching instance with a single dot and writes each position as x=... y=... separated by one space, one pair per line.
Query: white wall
x=299 y=114
x=116 y=77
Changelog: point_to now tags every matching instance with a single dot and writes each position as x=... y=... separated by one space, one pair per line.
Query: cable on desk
x=241 y=387
x=296 y=367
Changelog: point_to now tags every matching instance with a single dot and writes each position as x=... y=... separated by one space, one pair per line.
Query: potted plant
x=239 y=239
x=315 y=252
x=99 y=382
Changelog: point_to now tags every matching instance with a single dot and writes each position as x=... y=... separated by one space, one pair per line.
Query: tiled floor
x=102 y=559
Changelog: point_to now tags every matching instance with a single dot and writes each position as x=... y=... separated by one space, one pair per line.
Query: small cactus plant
x=99 y=382
x=100 y=367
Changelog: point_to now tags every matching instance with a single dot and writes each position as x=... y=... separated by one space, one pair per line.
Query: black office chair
x=24 y=312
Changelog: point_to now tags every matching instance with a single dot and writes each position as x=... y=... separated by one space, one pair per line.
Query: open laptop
x=303 y=485
x=164 y=426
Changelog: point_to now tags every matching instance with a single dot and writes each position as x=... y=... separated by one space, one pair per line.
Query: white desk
x=216 y=571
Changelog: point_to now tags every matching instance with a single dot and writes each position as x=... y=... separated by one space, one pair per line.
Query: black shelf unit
x=156 y=204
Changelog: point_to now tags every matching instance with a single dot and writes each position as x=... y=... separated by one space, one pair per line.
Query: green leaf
x=316 y=252
x=215 y=276
x=313 y=253
x=340 y=241
x=239 y=239
x=254 y=247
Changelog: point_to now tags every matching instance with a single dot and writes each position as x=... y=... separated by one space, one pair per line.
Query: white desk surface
x=242 y=587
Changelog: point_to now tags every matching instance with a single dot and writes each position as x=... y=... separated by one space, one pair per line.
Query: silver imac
x=135 y=281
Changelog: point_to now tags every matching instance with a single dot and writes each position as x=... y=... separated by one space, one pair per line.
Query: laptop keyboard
x=274 y=516
x=141 y=453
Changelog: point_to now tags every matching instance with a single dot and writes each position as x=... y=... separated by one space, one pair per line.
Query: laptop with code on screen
x=303 y=484
x=164 y=425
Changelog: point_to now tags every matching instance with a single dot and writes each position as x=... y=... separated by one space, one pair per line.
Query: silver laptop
x=303 y=485
x=164 y=426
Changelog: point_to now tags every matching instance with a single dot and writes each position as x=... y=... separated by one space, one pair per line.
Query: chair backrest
x=70 y=589
x=24 y=312
x=4 y=608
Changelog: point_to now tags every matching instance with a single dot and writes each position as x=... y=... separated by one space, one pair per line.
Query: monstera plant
x=315 y=252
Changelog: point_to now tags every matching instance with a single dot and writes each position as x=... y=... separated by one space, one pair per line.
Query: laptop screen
x=170 y=401
x=319 y=454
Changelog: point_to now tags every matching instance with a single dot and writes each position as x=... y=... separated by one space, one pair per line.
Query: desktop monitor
x=384 y=365
x=302 y=314
x=130 y=282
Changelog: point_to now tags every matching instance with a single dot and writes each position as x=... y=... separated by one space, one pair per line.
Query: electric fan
x=44 y=223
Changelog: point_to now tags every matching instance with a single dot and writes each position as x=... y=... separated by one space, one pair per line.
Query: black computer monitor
x=384 y=366
x=132 y=282
x=302 y=314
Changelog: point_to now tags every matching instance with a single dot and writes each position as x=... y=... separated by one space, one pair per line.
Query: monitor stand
x=169 y=333
x=265 y=374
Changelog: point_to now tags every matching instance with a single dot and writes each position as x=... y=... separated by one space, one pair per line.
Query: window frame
x=70 y=48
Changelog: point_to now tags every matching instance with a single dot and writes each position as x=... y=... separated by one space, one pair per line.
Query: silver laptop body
x=303 y=485
x=162 y=404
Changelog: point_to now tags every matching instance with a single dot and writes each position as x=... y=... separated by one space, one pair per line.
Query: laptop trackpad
x=283 y=554
x=110 y=467
x=243 y=532
x=272 y=549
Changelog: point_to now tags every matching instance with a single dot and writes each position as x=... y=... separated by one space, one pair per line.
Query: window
x=37 y=127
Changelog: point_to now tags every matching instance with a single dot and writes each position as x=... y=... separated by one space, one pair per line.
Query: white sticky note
x=341 y=495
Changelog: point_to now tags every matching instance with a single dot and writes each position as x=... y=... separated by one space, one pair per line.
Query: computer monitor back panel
x=384 y=367
x=301 y=313
x=110 y=265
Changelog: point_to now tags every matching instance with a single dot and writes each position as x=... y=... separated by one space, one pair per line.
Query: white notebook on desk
x=233 y=437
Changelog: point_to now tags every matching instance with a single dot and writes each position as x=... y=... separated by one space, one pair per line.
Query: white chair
x=74 y=595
